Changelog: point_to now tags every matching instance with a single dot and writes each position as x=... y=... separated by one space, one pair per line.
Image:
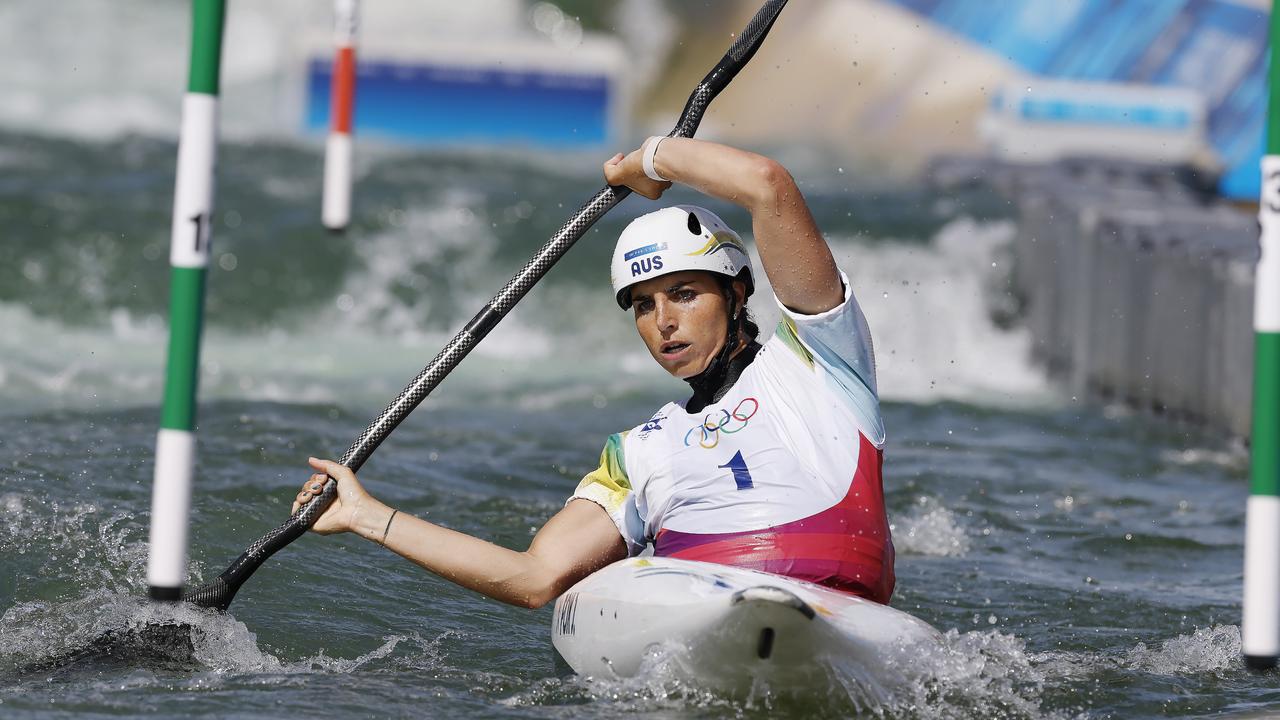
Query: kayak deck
x=730 y=629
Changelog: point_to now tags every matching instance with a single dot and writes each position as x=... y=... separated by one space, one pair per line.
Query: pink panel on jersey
x=845 y=547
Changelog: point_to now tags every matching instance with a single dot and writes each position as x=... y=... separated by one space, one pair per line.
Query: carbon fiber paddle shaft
x=220 y=592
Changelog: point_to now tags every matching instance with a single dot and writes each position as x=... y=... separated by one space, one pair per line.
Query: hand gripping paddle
x=219 y=593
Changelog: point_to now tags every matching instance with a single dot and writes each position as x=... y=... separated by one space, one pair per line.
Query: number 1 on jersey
x=741 y=475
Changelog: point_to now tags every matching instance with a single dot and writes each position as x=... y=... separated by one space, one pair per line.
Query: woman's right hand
x=628 y=170
x=343 y=514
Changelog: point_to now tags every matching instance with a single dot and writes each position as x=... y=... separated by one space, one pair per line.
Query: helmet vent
x=695 y=227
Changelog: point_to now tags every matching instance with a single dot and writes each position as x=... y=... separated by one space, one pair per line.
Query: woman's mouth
x=671 y=350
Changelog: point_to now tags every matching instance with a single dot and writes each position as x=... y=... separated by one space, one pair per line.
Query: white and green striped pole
x=189 y=257
x=335 y=210
x=1260 y=628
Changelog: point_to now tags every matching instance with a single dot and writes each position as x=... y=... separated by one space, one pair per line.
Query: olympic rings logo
x=728 y=422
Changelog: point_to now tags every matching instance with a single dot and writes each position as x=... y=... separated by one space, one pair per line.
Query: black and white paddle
x=219 y=593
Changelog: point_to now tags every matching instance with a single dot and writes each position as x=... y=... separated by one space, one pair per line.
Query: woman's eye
x=687 y=295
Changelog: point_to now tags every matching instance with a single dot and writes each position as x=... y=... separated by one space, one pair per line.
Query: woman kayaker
x=773 y=463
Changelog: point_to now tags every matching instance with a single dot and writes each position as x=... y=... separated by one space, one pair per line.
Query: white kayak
x=730 y=629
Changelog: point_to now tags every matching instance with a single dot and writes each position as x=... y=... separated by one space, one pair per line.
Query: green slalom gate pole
x=1260 y=627
x=189 y=258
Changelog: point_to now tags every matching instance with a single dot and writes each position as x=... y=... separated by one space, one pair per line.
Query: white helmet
x=683 y=237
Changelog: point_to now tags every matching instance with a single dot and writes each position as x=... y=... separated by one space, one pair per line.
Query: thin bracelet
x=646 y=160
x=387 y=529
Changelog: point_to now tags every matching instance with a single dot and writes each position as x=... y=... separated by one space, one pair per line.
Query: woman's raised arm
x=792 y=249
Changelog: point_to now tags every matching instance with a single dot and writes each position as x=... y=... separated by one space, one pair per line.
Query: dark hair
x=746 y=322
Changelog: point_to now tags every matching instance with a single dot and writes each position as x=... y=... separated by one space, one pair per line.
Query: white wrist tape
x=646 y=160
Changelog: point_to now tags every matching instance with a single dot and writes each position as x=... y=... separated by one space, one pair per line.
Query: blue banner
x=437 y=104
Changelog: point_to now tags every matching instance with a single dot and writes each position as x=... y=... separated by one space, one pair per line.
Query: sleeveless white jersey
x=781 y=445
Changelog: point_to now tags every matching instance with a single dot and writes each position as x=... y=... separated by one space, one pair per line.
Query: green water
x=1080 y=561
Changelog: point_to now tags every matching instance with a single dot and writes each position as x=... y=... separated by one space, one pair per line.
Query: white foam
x=967 y=675
x=107 y=552
x=12 y=504
x=929 y=529
x=225 y=645
x=933 y=337
x=393 y=293
x=48 y=364
x=929 y=317
x=976 y=674
x=129 y=74
x=1235 y=458
x=34 y=634
x=927 y=305
x=1211 y=649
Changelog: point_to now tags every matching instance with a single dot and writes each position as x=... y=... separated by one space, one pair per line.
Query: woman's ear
x=740 y=294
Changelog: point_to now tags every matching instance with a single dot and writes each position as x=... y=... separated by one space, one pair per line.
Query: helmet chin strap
x=712 y=383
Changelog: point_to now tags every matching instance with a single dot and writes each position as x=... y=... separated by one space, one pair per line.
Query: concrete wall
x=1135 y=284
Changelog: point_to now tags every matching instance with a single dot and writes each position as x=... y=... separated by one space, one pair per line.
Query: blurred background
x=867 y=96
x=945 y=76
x=1047 y=209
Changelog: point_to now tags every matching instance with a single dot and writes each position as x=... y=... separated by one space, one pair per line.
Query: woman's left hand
x=627 y=170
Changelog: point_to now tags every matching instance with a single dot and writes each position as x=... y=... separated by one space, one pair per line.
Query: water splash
x=72 y=542
x=98 y=627
x=421 y=272
x=965 y=675
x=1207 y=650
x=975 y=674
x=103 y=629
x=930 y=529
x=98 y=561
x=1234 y=458
x=929 y=311
x=422 y=267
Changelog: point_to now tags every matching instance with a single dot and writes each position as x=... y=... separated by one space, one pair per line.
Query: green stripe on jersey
x=791 y=338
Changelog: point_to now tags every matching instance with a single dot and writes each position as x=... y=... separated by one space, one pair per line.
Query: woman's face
x=681 y=318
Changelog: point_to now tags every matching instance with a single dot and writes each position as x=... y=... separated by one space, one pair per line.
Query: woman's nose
x=664 y=315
